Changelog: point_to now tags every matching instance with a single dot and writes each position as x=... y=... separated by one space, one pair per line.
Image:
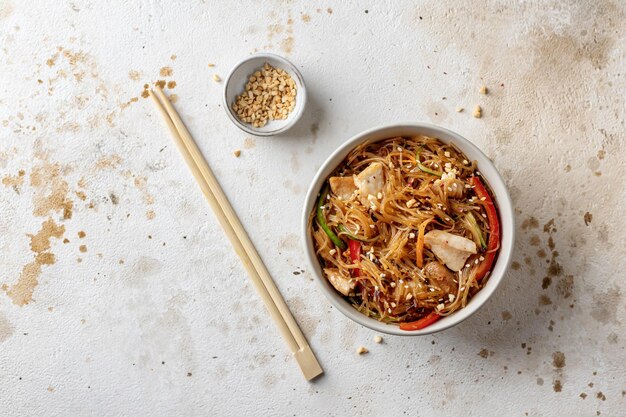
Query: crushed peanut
x=216 y=78
x=459 y=109
x=478 y=112
x=378 y=339
x=483 y=90
x=411 y=203
x=361 y=350
x=211 y=65
x=237 y=152
x=270 y=94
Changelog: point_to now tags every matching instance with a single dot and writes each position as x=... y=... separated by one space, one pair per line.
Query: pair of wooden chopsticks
x=238 y=237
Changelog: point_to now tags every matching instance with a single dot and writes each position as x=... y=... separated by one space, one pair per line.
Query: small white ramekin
x=488 y=172
x=235 y=85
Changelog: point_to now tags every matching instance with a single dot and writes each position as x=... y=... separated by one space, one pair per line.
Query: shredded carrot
x=419 y=246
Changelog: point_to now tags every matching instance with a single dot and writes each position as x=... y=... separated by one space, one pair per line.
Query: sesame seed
x=465 y=162
x=411 y=235
x=476 y=262
x=389 y=311
x=401 y=281
x=393 y=304
x=451 y=297
x=376 y=287
x=406 y=286
x=372 y=226
x=467 y=265
x=446 y=154
x=409 y=296
x=383 y=275
x=380 y=195
x=399 y=149
x=440 y=306
x=332 y=252
x=483 y=198
x=484 y=215
x=482 y=258
x=393 y=285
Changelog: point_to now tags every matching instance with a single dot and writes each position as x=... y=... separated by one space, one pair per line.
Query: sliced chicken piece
x=441 y=276
x=370 y=182
x=342 y=187
x=342 y=284
x=450 y=249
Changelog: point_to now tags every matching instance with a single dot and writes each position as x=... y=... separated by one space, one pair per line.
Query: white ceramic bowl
x=235 y=85
x=489 y=173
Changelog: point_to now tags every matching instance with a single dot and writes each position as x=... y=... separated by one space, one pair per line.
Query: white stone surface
x=176 y=329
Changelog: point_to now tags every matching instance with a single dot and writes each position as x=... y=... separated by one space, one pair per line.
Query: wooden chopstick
x=265 y=286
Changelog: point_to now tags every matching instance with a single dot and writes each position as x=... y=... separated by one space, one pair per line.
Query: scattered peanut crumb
x=361 y=350
x=270 y=94
x=459 y=109
x=237 y=153
x=211 y=65
x=216 y=78
x=378 y=339
x=483 y=90
x=478 y=112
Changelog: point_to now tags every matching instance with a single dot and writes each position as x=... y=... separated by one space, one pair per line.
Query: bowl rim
x=301 y=94
x=487 y=170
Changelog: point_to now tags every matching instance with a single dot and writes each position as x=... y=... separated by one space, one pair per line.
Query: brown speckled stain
x=544 y=300
x=557 y=386
x=6 y=330
x=515 y=266
x=558 y=360
x=51 y=190
x=166 y=72
x=587 y=218
x=530 y=223
x=565 y=286
x=606 y=304
x=14 y=181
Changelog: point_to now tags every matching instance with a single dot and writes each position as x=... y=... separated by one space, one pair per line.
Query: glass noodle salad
x=406 y=230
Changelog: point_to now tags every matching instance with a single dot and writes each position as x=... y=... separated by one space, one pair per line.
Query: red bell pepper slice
x=494 y=228
x=355 y=255
x=425 y=321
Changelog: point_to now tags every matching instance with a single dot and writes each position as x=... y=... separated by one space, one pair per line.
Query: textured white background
x=176 y=329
